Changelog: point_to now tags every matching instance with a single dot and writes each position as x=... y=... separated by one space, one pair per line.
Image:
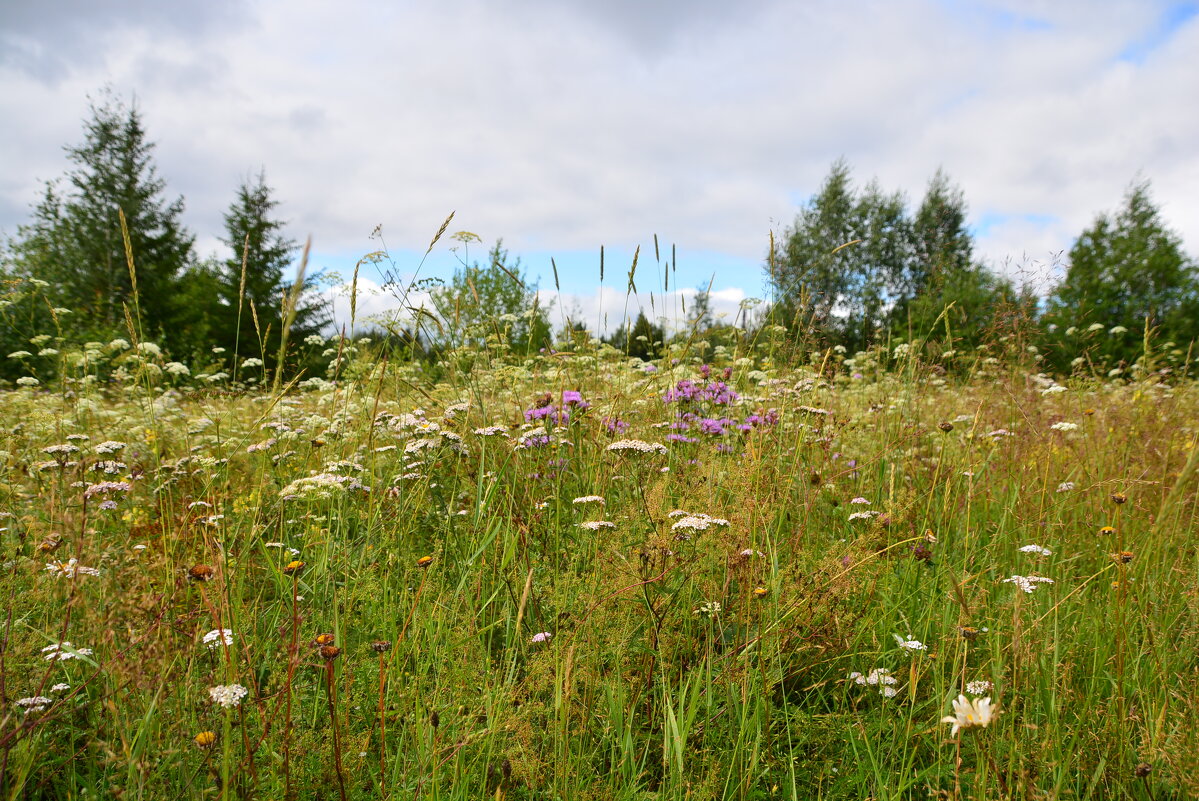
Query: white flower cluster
x=34 y=703
x=227 y=695
x=111 y=446
x=491 y=431
x=596 y=525
x=218 y=637
x=978 y=687
x=1037 y=549
x=864 y=515
x=70 y=569
x=878 y=677
x=1027 y=583
x=322 y=486
x=589 y=499
x=688 y=521
x=909 y=644
x=708 y=609
x=1064 y=425
x=62 y=651
x=640 y=446
x=1065 y=486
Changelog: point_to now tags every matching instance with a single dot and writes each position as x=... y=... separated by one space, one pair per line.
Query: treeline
x=105 y=257
x=858 y=267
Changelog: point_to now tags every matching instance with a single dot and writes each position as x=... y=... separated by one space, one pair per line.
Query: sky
x=565 y=126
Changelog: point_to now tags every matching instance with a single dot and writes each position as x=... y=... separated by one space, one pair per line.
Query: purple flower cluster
x=545 y=409
x=615 y=426
x=714 y=392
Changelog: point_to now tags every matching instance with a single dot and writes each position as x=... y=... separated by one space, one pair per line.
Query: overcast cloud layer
x=561 y=126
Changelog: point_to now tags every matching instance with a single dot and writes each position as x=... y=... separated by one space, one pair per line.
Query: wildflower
x=1053 y=390
x=60 y=687
x=381 y=646
x=200 y=573
x=218 y=637
x=1037 y=549
x=1119 y=498
x=27 y=381
x=204 y=739
x=697 y=522
x=878 y=677
x=1027 y=583
x=596 y=525
x=111 y=446
x=490 y=431
x=708 y=609
x=105 y=487
x=968 y=714
x=227 y=695
x=760 y=592
x=292 y=567
x=34 y=703
x=860 y=500
x=589 y=499
x=1123 y=557
x=424 y=561
x=1065 y=486
x=968 y=632
x=70 y=569
x=330 y=652
x=1064 y=425
x=1107 y=530
x=864 y=515
x=622 y=445
x=909 y=644
x=978 y=687
x=61 y=652
x=946 y=426
x=542 y=636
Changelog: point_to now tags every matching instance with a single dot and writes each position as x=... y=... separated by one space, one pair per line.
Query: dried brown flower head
x=200 y=573
x=946 y=426
x=381 y=646
x=1119 y=497
x=330 y=652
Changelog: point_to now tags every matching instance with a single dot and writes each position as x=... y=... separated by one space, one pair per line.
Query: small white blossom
x=60 y=652
x=218 y=637
x=1037 y=549
x=227 y=695
x=1027 y=583
x=978 y=687
x=909 y=644
x=1064 y=425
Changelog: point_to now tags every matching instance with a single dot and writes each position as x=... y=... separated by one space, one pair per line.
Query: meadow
x=739 y=571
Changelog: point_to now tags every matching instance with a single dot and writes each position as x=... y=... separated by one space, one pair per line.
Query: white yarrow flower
x=227 y=695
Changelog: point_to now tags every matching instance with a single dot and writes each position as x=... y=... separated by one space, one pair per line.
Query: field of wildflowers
x=720 y=574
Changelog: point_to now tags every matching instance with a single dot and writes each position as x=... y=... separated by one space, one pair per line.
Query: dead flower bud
x=434 y=720
x=200 y=573
x=1143 y=770
x=946 y=427
x=1119 y=497
x=1123 y=557
x=381 y=646
x=330 y=652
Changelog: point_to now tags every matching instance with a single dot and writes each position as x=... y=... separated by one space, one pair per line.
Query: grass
x=701 y=657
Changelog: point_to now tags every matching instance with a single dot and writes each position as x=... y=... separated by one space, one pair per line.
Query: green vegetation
x=467 y=586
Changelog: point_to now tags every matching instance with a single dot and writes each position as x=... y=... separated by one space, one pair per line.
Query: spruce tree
x=253 y=281
x=75 y=239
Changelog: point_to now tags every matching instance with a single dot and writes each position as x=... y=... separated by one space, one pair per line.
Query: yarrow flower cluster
x=218 y=637
x=596 y=525
x=978 y=687
x=34 y=703
x=909 y=644
x=62 y=651
x=70 y=569
x=1027 y=583
x=622 y=445
x=878 y=677
x=589 y=499
x=1065 y=486
x=688 y=522
x=1064 y=425
x=227 y=695
x=543 y=636
x=1037 y=549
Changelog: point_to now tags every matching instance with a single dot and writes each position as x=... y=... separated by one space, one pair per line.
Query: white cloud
x=563 y=127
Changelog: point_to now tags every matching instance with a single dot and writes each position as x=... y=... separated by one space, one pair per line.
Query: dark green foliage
x=642 y=339
x=252 y=282
x=75 y=243
x=856 y=265
x=1127 y=270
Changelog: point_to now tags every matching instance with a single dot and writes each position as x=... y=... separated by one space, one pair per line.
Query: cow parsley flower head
x=636 y=445
x=1037 y=549
x=34 y=703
